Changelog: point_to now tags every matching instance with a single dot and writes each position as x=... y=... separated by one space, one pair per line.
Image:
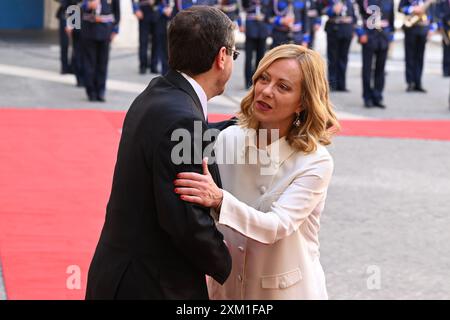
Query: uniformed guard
x=375 y=32
x=77 y=57
x=185 y=4
x=257 y=30
x=166 y=8
x=148 y=15
x=417 y=25
x=443 y=14
x=100 y=24
x=73 y=30
x=63 y=36
x=231 y=9
x=339 y=28
x=290 y=23
x=315 y=20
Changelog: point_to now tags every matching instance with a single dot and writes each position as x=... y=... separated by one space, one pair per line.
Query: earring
x=297 y=121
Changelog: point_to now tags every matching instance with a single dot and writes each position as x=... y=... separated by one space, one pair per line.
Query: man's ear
x=220 y=58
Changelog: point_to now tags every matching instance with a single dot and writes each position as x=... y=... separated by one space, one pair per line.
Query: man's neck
x=207 y=84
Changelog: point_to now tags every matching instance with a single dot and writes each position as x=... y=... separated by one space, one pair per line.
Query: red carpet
x=55 y=176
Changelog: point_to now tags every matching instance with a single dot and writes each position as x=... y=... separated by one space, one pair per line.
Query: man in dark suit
x=153 y=245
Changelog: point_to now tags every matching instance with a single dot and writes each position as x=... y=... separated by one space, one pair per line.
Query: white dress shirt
x=200 y=94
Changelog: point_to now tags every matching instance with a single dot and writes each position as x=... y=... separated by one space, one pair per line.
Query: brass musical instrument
x=446 y=36
x=414 y=19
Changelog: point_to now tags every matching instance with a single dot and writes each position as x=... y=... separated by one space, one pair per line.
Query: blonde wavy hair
x=318 y=120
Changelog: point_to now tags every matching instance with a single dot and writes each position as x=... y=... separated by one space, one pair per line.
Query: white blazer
x=271 y=220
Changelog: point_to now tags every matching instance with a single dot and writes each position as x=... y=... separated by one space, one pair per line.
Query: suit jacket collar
x=179 y=81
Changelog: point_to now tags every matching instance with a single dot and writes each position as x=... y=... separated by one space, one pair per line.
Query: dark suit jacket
x=153 y=245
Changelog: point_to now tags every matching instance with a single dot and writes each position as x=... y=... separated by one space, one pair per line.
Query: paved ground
x=387 y=209
x=2 y=287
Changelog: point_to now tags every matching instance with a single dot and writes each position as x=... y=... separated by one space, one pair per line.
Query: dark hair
x=195 y=38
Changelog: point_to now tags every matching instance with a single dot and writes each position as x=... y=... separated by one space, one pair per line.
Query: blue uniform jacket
x=99 y=24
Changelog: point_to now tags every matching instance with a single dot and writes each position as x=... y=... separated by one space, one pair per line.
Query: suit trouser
x=337 y=54
x=252 y=46
x=148 y=28
x=446 y=59
x=64 y=46
x=96 y=56
x=414 y=54
x=374 y=93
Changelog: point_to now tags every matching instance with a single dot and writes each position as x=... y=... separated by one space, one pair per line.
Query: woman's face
x=277 y=95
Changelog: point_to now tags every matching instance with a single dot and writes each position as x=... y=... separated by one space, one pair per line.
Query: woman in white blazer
x=274 y=187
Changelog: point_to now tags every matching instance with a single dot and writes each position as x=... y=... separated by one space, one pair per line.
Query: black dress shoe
x=379 y=104
x=368 y=104
x=410 y=87
x=420 y=89
x=101 y=99
x=92 y=98
x=142 y=70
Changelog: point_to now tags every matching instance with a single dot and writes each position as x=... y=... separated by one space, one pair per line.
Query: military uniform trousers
x=338 y=45
x=375 y=48
x=95 y=59
x=415 y=40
